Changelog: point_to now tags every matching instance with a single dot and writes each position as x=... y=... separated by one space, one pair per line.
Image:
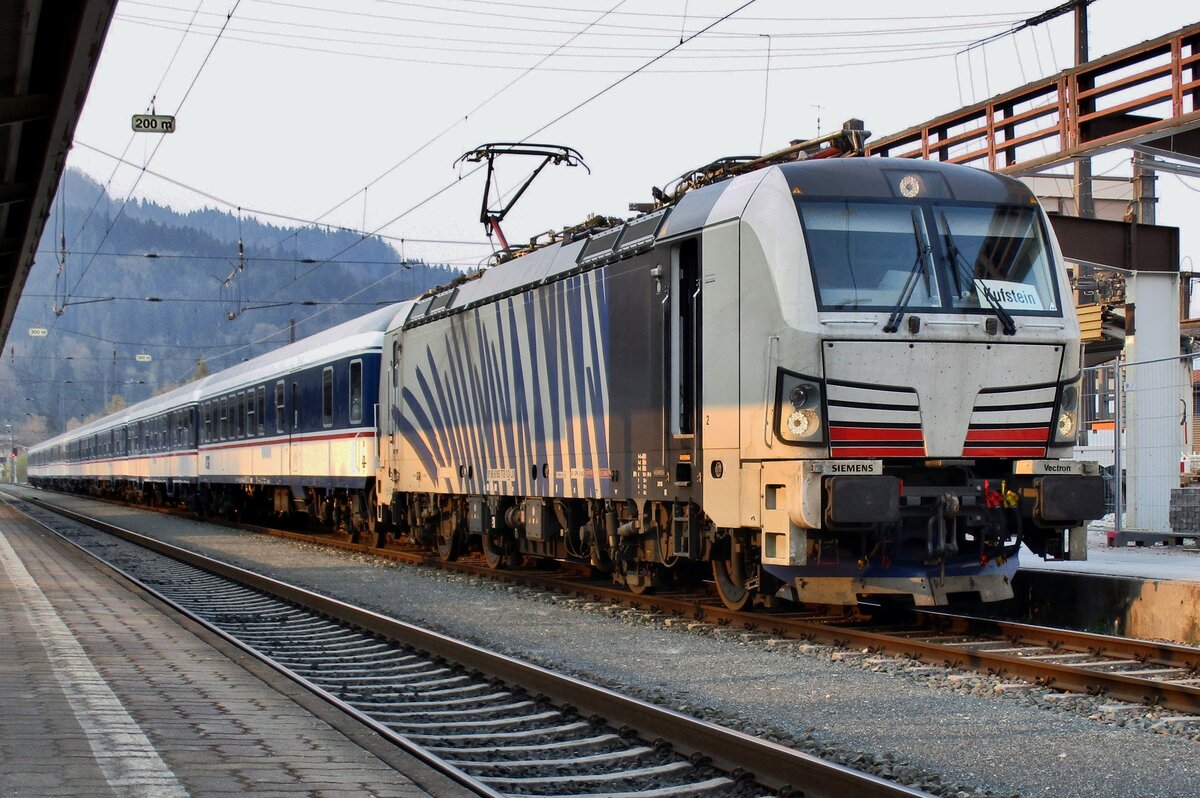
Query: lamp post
x=12 y=451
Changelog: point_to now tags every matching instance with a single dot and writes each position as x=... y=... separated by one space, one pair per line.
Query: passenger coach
x=290 y=432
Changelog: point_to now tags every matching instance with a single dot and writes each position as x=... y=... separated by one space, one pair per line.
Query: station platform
x=105 y=695
x=1150 y=592
x=1134 y=562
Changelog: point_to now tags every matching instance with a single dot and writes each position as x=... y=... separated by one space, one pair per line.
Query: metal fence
x=1136 y=422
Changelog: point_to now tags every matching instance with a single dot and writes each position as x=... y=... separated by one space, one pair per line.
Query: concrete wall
x=1155 y=609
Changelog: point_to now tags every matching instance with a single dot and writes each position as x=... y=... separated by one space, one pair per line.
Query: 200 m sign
x=149 y=123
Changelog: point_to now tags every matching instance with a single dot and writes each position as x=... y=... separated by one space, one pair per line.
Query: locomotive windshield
x=987 y=256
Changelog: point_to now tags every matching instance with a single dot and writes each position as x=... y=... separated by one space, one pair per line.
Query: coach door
x=392 y=410
x=295 y=442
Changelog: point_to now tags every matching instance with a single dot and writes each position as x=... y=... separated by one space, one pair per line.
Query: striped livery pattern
x=873 y=421
x=885 y=421
x=512 y=398
x=1011 y=422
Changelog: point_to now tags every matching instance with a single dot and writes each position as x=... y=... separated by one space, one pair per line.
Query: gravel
x=950 y=732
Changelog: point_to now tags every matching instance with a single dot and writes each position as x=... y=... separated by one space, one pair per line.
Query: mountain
x=149 y=293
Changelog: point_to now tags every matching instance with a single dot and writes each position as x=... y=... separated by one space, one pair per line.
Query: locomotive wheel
x=638 y=577
x=729 y=575
x=449 y=541
x=498 y=550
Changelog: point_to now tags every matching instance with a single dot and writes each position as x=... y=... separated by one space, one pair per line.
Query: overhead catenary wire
x=742 y=46
x=573 y=109
x=744 y=18
x=669 y=16
x=620 y=28
x=310 y=223
x=149 y=107
x=458 y=121
x=178 y=107
x=555 y=120
x=940 y=49
x=150 y=257
x=109 y=228
x=525 y=47
x=424 y=146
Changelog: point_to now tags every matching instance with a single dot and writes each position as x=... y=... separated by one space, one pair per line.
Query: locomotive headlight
x=798 y=417
x=1066 y=424
x=802 y=423
x=1070 y=396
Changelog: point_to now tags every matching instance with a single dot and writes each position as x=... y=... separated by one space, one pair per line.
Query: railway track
x=496 y=725
x=1124 y=669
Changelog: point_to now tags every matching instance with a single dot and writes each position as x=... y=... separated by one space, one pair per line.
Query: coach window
x=295 y=405
x=247 y=400
x=327 y=396
x=262 y=409
x=356 y=392
x=223 y=427
x=280 y=407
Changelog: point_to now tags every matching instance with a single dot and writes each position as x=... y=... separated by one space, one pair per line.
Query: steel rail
x=777 y=767
x=1071 y=678
x=700 y=607
x=1150 y=651
x=422 y=755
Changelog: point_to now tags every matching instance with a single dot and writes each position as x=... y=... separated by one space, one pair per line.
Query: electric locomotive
x=820 y=378
x=828 y=379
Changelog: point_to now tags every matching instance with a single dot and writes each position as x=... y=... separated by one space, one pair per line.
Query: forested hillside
x=148 y=295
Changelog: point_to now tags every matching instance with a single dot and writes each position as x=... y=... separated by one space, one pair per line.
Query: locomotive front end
x=921 y=386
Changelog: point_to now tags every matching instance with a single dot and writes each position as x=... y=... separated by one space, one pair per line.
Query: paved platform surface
x=1135 y=562
x=104 y=695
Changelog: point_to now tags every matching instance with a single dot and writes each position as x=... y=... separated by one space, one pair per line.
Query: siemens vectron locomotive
x=822 y=378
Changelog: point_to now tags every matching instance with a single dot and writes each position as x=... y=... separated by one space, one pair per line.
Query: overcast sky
x=302 y=104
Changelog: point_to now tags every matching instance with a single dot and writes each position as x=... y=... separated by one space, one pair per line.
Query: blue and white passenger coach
x=289 y=432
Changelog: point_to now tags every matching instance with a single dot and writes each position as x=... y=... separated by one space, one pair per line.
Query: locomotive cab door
x=683 y=379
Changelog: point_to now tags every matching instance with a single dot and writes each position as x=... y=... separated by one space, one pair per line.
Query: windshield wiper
x=924 y=252
x=961 y=269
x=1006 y=320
